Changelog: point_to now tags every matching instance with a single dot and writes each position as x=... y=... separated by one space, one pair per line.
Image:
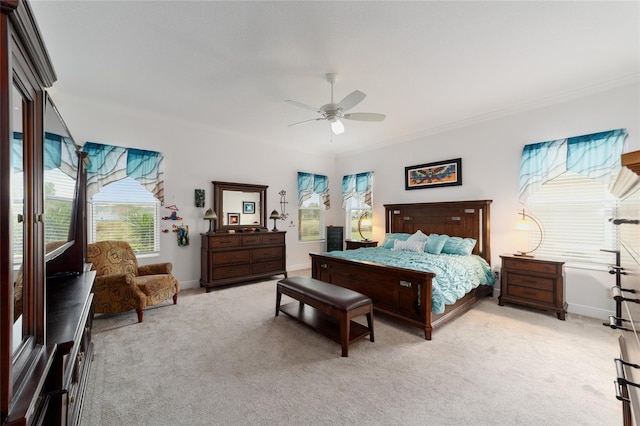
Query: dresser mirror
x=240 y=207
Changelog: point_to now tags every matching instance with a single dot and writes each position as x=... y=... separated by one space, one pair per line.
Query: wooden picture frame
x=248 y=207
x=433 y=175
x=233 y=218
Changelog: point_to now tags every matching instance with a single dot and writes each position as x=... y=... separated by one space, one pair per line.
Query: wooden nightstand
x=355 y=244
x=533 y=282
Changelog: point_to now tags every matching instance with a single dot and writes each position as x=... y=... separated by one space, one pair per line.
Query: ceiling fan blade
x=306 y=121
x=351 y=100
x=364 y=116
x=305 y=106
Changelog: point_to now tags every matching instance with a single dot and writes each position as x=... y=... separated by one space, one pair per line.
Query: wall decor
x=432 y=175
x=199 y=197
x=248 y=207
x=233 y=218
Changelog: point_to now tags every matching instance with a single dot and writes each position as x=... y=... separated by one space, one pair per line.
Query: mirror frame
x=218 y=189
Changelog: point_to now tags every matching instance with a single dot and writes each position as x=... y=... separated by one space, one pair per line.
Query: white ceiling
x=427 y=65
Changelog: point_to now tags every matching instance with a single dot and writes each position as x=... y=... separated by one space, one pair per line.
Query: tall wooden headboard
x=467 y=219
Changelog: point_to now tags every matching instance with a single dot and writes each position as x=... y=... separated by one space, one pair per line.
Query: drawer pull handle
x=615 y=323
x=616 y=292
x=406 y=284
x=324 y=265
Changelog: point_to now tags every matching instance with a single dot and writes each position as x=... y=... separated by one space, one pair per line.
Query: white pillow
x=418 y=236
x=417 y=246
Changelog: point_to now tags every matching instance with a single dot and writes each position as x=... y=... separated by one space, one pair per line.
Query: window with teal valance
x=309 y=184
x=109 y=163
x=595 y=155
x=361 y=184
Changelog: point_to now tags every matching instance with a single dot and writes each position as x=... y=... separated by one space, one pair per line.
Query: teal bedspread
x=455 y=275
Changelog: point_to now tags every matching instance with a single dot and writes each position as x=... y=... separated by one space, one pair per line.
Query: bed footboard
x=401 y=293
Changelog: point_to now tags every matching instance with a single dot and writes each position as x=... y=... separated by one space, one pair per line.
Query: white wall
x=195 y=156
x=490 y=153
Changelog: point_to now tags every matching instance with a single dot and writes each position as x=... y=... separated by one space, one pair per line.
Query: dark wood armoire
x=45 y=294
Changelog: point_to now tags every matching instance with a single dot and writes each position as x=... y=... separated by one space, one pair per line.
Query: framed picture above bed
x=433 y=175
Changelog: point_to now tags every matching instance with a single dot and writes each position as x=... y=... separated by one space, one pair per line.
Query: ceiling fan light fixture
x=337 y=127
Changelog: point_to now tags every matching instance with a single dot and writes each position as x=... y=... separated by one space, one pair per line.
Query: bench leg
x=278 y=299
x=370 y=324
x=345 y=331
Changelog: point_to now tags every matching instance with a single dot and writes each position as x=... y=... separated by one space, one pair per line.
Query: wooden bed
x=402 y=293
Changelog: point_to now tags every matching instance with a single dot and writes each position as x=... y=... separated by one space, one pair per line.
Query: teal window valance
x=57 y=155
x=361 y=184
x=109 y=163
x=309 y=184
x=596 y=156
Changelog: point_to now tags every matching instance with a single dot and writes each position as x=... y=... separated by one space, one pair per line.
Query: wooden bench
x=327 y=308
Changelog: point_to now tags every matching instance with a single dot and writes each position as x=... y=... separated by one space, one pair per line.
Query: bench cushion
x=329 y=294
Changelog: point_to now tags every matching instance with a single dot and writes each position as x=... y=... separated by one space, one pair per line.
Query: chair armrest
x=155 y=269
x=121 y=284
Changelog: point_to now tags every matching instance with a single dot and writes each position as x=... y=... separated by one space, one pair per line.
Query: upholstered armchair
x=121 y=285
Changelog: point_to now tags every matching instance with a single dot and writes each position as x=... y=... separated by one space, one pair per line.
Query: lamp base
x=522 y=254
x=211 y=226
x=274 y=226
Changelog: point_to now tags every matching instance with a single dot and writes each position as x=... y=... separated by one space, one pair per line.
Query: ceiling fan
x=335 y=112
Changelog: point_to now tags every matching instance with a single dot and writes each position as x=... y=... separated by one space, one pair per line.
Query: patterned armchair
x=121 y=285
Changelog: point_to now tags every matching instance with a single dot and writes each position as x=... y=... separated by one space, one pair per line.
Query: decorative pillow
x=389 y=239
x=417 y=246
x=418 y=236
x=435 y=243
x=457 y=245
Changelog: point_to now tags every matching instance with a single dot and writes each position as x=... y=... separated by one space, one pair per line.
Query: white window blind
x=574 y=212
x=311 y=219
x=125 y=211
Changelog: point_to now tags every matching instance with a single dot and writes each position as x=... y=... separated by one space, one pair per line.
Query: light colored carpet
x=223 y=358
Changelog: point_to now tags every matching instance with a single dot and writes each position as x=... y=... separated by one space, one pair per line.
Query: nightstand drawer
x=539 y=283
x=530 y=293
x=533 y=266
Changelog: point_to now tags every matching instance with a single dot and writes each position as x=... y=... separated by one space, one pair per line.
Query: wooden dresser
x=232 y=258
x=533 y=282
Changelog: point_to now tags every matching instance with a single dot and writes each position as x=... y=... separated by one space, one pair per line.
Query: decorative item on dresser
x=234 y=252
x=536 y=283
x=211 y=216
x=46 y=302
x=355 y=244
x=627 y=294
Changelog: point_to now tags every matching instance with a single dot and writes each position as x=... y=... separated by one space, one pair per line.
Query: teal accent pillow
x=418 y=236
x=435 y=243
x=457 y=245
x=389 y=239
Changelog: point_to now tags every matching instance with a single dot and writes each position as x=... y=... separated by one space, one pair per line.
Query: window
x=357 y=200
x=574 y=212
x=125 y=187
x=313 y=200
x=124 y=210
x=564 y=184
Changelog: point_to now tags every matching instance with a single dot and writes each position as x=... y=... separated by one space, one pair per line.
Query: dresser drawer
x=226 y=241
x=262 y=267
x=251 y=240
x=273 y=239
x=532 y=266
x=227 y=257
x=530 y=294
x=222 y=272
x=539 y=283
x=267 y=253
